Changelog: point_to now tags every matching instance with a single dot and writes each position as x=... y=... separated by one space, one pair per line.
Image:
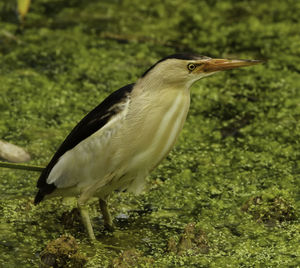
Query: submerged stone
x=193 y=238
x=270 y=210
x=131 y=258
x=62 y=252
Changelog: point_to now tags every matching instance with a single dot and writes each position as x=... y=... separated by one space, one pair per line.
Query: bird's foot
x=87 y=221
x=108 y=224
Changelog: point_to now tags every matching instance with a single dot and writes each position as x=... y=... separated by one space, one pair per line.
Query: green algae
x=240 y=142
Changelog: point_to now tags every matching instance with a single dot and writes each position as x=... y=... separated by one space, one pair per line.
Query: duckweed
x=234 y=171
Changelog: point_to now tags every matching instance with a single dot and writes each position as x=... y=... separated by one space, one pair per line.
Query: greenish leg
x=108 y=224
x=86 y=220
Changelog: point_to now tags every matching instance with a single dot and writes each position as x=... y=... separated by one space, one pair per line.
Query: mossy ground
x=240 y=144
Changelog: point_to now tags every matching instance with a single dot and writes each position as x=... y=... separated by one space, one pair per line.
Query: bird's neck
x=158 y=114
x=158 y=96
x=160 y=84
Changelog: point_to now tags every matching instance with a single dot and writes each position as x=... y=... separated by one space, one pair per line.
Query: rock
x=13 y=153
x=62 y=252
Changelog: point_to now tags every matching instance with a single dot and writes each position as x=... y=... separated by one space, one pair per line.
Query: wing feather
x=90 y=124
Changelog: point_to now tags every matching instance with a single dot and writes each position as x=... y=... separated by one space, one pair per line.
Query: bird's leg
x=106 y=215
x=86 y=220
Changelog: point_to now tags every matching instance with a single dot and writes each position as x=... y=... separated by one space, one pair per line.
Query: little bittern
x=117 y=144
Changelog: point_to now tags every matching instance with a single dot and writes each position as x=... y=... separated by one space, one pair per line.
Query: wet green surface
x=235 y=169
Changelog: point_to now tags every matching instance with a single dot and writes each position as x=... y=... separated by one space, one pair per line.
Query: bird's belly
x=143 y=153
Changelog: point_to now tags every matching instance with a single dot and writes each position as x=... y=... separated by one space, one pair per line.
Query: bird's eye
x=191 y=67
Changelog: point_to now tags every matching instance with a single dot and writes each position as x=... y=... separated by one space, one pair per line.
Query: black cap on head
x=179 y=56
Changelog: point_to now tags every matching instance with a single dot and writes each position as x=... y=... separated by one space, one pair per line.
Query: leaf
x=22 y=8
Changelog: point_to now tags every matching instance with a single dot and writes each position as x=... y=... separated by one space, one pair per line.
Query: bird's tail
x=39 y=197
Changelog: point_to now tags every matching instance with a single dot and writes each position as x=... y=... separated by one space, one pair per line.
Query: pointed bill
x=214 y=65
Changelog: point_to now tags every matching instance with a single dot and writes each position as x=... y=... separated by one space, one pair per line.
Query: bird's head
x=185 y=69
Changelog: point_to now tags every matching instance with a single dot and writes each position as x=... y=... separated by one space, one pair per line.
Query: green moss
x=240 y=144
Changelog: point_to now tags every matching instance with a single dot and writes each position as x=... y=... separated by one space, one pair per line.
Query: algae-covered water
x=226 y=196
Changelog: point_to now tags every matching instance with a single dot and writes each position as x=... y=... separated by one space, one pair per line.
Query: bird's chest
x=155 y=128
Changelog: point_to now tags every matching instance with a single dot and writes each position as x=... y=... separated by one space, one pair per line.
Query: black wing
x=90 y=124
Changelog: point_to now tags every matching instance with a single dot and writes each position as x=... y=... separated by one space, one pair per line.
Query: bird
x=116 y=145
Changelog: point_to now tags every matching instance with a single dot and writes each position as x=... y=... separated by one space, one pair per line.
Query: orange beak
x=214 y=65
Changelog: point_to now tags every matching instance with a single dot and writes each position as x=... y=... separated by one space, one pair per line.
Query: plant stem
x=21 y=166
